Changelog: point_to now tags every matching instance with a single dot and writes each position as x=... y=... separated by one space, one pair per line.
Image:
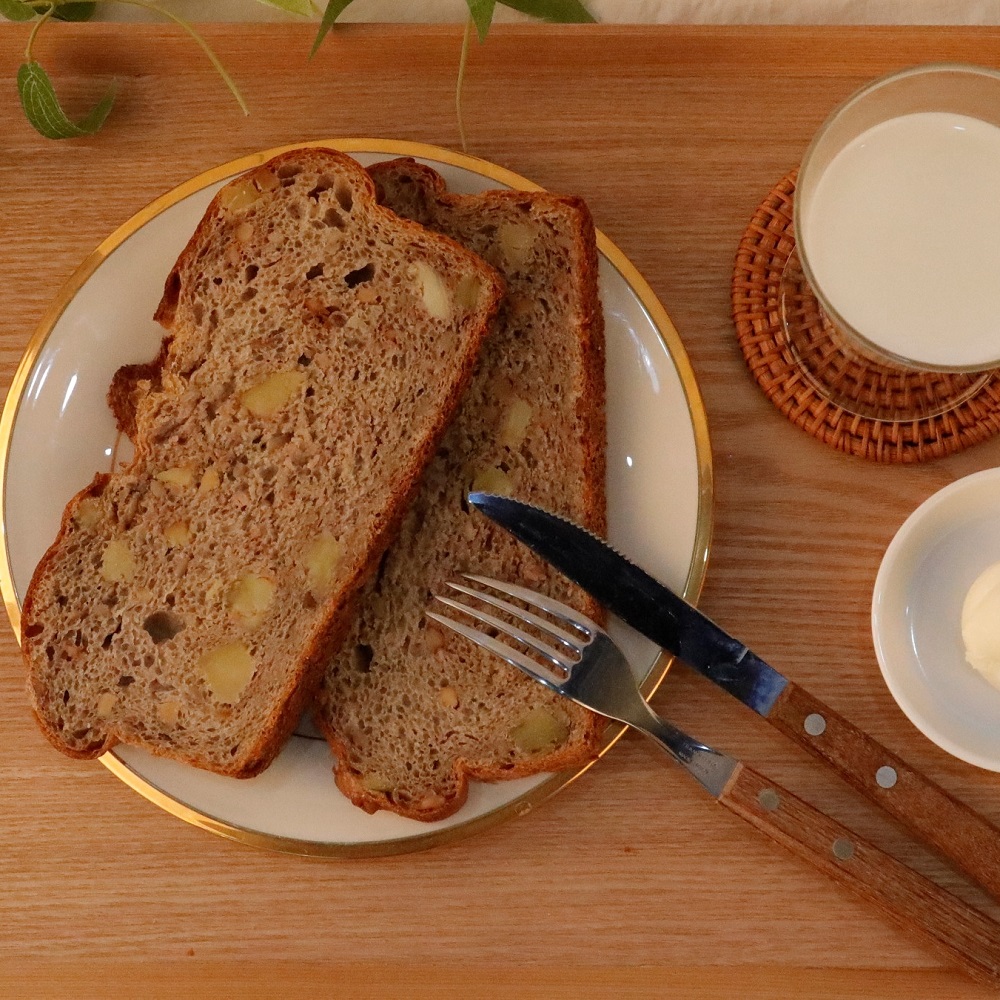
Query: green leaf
x=74 y=11
x=16 y=10
x=38 y=98
x=482 y=14
x=560 y=11
x=333 y=10
x=303 y=7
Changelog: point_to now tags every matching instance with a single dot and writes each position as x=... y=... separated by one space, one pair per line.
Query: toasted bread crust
x=129 y=384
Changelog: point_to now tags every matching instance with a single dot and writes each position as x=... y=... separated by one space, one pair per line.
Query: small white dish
x=926 y=571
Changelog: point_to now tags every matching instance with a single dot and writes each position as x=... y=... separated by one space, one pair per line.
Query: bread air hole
x=323 y=184
x=162 y=626
x=316 y=271
x=334 y=219
x=361 y=657
x=109 y=638
x=361 y=275
x=344 y=196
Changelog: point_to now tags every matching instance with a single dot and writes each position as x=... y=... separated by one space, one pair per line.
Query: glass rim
x=861 y=94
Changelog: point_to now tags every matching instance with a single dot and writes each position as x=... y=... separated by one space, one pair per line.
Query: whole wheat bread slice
x=317 y=347
x=413 y=712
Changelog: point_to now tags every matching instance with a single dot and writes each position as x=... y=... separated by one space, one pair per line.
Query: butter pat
x=981 y=624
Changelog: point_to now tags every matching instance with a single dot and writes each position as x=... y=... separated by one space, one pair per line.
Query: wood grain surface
x=631 y=881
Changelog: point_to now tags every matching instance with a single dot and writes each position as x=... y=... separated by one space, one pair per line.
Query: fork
x=577 y=659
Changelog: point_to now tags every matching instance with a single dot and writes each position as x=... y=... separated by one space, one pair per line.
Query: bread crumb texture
x=412 y=710
x=317 y=346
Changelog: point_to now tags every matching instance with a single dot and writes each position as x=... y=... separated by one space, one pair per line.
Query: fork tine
x=571 y=642
x=512 y=656
x=548 y=604
x=547 y=652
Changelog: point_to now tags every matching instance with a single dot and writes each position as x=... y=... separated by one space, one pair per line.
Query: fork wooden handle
x=959 y=932
x=957 y=832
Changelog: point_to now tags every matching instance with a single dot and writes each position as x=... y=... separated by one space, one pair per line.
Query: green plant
x=43 y=110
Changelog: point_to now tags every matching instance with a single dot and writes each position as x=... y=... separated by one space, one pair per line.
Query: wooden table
x=673 y=135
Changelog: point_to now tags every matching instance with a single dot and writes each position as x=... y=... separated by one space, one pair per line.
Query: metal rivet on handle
x=815 y=724
x=886 y=776
x=843 y=849
x=769 y=799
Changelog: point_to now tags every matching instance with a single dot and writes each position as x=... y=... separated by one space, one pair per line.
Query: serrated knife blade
x=639 y=600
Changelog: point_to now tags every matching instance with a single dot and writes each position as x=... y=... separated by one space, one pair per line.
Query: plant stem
x=205 y=47
x=458 y=83
x=34 y=31
x=156 y=9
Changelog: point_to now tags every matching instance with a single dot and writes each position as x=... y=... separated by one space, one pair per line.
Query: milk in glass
x=902 y=235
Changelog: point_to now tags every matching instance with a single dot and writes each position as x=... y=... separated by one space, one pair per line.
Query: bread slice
x=413 y=712
x=317 y=347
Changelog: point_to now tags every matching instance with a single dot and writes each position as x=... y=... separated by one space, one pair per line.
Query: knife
x=957 y=832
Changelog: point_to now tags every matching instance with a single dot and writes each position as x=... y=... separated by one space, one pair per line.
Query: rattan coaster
x=760 y=261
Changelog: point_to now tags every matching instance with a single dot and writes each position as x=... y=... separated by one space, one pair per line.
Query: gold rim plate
x=659 y=494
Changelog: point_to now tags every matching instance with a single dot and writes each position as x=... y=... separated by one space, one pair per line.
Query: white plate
x=56 y=432
x=927 y=570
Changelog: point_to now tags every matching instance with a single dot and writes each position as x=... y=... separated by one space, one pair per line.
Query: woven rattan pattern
x=763 y=253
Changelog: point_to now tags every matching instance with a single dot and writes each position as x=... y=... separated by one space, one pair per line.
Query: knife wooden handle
x=957 y=832
x=956 y=930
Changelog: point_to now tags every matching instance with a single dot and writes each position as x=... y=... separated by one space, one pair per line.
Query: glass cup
x=890 y=302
